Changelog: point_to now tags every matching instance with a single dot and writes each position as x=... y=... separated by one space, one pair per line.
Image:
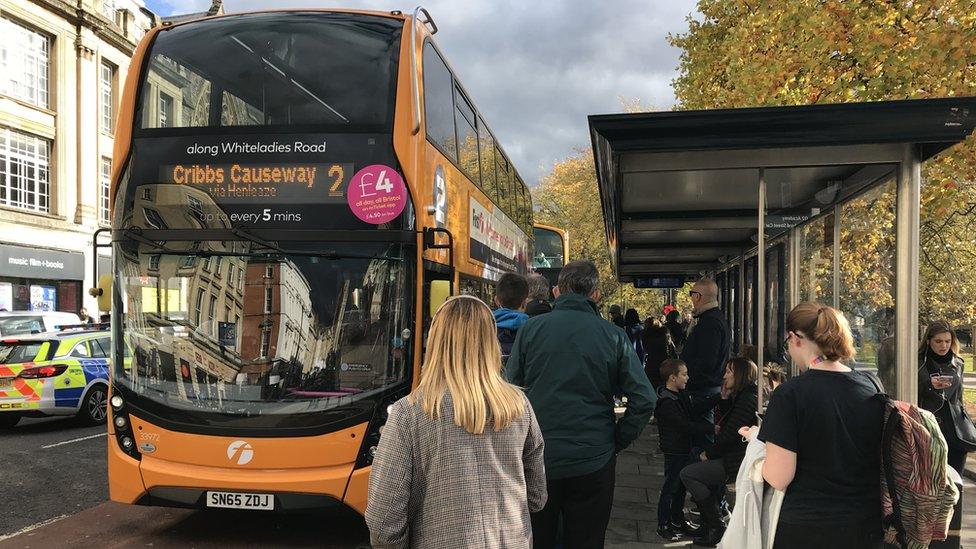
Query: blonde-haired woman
x=821 y=431
x=460 y=461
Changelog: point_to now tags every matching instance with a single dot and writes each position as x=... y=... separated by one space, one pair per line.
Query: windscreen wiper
x=256 y=240
x=136 y=234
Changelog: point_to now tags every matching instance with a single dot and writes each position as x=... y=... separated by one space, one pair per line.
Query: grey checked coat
x=434 y=485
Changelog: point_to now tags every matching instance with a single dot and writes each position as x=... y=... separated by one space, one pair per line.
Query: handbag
x=965 y=429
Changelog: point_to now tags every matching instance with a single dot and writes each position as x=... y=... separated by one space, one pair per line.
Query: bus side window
x=439 y=103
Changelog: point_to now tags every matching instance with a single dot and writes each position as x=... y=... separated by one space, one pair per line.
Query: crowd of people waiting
x=510 y=439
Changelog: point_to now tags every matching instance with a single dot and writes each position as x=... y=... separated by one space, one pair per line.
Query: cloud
x=535 y=70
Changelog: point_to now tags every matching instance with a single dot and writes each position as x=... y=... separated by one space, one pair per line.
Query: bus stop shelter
x=767 y=200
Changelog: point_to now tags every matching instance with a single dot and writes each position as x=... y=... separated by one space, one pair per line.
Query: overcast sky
x=535 y=70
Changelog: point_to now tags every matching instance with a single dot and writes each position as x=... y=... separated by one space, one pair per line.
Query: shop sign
x=21 y=261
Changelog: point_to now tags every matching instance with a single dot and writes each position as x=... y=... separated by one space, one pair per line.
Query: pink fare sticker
x=376 y=194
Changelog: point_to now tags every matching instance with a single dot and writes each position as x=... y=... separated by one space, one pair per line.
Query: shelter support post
x=740 y=303
x=761 y=287
x=906 y=272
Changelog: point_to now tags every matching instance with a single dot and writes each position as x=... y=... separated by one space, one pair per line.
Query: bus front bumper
x=181 y=469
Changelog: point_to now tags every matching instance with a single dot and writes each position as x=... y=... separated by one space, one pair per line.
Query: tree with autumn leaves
x=568 y=198
x=743 y=53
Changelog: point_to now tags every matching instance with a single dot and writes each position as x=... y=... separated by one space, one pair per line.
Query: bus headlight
x=117 y=402
x=121 y=422
x=127 y=443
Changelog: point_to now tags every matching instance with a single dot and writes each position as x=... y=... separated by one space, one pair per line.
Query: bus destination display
x=250 y=183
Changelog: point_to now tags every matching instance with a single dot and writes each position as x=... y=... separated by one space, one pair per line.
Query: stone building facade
x=62 y=68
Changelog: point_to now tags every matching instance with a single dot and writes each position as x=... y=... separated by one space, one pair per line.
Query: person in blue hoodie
x=511 y=293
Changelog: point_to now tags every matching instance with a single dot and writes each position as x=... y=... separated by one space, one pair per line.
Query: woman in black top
x=677 y=331
x=940 y=392
x=632 y=325
x=822 y=431
x=706 y=480
x=657 y=349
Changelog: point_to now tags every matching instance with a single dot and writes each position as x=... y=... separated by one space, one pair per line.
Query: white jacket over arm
x=757 y=505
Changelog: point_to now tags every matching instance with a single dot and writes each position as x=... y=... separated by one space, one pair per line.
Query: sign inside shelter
x=776 y=223
x=672 y=282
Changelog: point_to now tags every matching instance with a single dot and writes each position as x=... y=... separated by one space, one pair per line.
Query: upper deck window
x=273 y=69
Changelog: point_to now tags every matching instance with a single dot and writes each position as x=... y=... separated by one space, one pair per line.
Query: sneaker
x=687 y=528
x=666 y=532
x=726 y=513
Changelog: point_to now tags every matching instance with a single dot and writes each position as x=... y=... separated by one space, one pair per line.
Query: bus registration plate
x=237 y=500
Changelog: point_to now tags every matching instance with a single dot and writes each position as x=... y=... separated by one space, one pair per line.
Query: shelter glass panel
x=867 y=278
x=776 y=305
x=750 y=337
x=735 y=320
x=816 y=257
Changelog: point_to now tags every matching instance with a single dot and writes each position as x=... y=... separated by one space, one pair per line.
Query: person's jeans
x=700 y=443
x=584 y=502
x=671 y=504
x=957 y=460
x=704 y=479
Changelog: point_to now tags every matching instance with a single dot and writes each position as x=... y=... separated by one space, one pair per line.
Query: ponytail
x=825 y=326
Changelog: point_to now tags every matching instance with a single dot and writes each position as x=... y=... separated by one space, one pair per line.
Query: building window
x=108 y=9
x=154 y=262
x=212 y=314
x=24 y=171
x=217 y=266
x=269 y=271
x=106 y=92
x=265 y=342
x=165 y=111
x=230 y=276
x=147 y=193
x=268 y=299
x=226 y=313
x=104 y=190
x=196 y=208
x=154 y=219
x=199 y=308
x=25 y=62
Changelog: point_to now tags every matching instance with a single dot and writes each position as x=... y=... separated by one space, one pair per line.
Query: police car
x=55 y=374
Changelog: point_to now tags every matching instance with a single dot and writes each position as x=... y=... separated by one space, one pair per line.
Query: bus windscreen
x=239 y=335
x=273 y=69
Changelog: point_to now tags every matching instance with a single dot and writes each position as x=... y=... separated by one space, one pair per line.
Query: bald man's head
x=707 y=288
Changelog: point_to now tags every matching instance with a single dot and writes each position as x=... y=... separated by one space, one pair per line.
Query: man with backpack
x=511 y=293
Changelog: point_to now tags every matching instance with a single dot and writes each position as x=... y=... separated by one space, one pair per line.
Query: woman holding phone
x=940 y=371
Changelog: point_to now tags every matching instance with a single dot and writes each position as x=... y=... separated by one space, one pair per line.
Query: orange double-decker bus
x=296 y=192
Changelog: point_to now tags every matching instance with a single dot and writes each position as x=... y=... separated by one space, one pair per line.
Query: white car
x=28 y=322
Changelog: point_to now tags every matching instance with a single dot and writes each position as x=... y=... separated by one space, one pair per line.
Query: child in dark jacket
x=675 y=432
x=511 y=293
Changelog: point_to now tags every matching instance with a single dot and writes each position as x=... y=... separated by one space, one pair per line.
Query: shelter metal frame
x=687 y=193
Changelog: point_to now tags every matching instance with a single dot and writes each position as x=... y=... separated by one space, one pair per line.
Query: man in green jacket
x=570 y=361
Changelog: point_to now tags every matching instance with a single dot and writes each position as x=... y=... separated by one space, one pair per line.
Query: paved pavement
x=50 y=468
x=57 y=498
x=640 y=473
